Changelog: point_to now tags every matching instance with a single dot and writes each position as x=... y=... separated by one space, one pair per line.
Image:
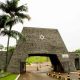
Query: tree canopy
x=78 y=50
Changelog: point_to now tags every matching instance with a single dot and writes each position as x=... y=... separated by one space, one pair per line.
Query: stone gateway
x=41 y=42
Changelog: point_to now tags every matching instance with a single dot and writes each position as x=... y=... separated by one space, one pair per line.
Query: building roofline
x=40 y=28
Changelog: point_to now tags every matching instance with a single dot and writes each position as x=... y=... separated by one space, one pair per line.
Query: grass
x=36 y=59
x=9 y=77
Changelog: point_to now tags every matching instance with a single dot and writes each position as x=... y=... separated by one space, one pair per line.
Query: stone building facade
x=41 y=42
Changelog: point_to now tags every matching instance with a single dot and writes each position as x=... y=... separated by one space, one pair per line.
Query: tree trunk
x=6 y=64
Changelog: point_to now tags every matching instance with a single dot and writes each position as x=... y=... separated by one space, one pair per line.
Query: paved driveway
x=34 y=76
x=41 y=74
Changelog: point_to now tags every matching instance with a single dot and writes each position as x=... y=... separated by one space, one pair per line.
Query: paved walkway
x=37 y=72
x=34 y=76
x=44 y=76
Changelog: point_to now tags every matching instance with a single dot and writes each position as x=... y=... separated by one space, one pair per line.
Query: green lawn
x=9 y=77
x=36 y=59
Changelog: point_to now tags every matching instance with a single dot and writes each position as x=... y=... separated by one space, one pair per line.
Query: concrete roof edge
x=40 y=28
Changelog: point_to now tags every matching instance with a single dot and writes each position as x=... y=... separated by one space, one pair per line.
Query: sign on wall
x=65 y=56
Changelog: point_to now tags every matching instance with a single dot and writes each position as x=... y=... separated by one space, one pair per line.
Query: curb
x=17 y=77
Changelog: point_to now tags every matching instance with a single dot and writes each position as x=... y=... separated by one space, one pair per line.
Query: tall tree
x=1 y=47
x=16 y=14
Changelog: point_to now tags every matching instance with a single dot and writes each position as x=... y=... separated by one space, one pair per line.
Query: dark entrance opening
x=56 y=65
x=77 y=63
x=22 y=67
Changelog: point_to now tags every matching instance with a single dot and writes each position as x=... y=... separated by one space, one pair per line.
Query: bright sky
x=63 y=15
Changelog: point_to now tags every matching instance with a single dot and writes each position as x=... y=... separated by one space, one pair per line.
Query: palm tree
x=15 y=13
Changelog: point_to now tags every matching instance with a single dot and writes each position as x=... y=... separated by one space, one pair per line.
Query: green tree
x=78 y=50
x=1 y=47
x=16 y=14
x=11 y=49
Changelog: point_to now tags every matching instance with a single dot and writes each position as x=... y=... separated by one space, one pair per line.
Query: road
x=34 y=76
x=39 y=72
x=36 y=72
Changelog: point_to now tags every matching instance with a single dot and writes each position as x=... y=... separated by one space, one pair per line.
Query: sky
x=63 y=15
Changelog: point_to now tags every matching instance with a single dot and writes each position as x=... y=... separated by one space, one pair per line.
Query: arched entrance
x=55 y=63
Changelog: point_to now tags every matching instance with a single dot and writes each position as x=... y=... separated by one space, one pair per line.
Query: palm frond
x=22 y=15
x=3 y=20
x=13 y=34
x=22 y=8
x=12 y=22
x=9 y=6
x=18 y=34
x=3 y=6
x=12 y=4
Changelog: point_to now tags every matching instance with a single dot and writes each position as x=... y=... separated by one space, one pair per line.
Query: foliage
x=9 y=77
x=37 y=59
x=3 y=20
x=1 y=46
x=13 y=14
x=3 y=74
x=78 y=50
x=12 y=33
x=12 y=8
x=11 y=49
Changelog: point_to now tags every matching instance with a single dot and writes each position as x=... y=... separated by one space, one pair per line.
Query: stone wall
x=40 y=40
x=2 y=59
x=19 y=55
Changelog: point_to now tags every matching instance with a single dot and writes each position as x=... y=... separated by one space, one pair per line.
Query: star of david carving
x=42 y=37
